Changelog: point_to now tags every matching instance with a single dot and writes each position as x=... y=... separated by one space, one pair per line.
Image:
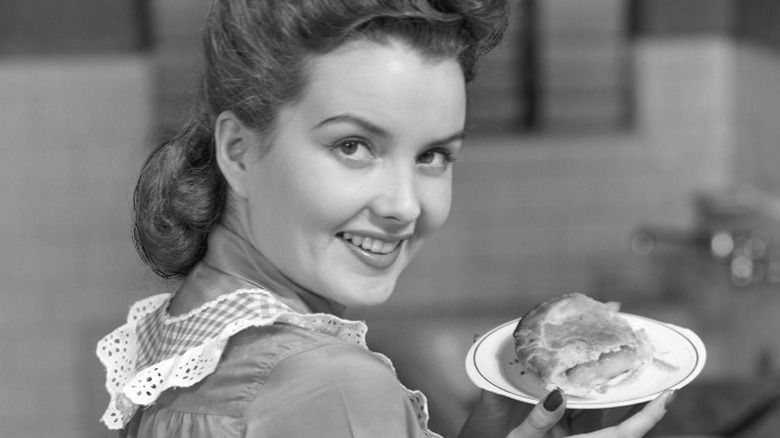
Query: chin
x=367 y=295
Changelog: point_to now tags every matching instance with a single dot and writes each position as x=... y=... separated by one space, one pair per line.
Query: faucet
x=746 y=252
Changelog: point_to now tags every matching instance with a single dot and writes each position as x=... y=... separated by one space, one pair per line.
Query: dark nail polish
x=553 y=400
x=669 y=399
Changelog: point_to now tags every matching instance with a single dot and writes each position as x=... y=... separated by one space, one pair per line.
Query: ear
x=234 y=142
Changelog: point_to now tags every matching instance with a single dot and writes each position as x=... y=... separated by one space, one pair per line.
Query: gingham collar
x=161 y=336
x=154 y=351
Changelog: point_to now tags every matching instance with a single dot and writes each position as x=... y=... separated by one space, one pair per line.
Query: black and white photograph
x=390 y=218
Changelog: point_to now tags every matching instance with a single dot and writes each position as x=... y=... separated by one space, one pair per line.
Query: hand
x=495 y=416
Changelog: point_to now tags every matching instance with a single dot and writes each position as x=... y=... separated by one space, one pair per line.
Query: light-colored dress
x=251 y=363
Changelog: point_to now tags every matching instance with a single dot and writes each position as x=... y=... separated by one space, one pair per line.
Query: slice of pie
x=581 y=345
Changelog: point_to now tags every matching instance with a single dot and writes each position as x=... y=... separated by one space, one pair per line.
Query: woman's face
x=358 y=172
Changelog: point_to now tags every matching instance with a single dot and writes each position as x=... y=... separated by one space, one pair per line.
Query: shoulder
x=256 y=352
x=284 y=380
x=333 y=389
x=280 y=341
x=246 y=363
x=334 y=360
x=281 y=352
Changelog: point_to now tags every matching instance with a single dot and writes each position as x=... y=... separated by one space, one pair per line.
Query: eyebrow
x=381 y=132
x=356 y=120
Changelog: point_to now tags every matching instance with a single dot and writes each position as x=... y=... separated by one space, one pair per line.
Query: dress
x=252 y=363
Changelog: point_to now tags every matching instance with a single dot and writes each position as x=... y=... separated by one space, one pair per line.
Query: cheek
x=317 y=199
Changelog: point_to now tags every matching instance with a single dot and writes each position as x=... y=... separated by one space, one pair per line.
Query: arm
x=335 y=390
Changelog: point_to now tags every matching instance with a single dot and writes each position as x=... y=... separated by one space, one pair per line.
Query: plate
x=679 y=357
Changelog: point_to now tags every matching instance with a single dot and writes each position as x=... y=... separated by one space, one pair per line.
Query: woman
x=317 y=162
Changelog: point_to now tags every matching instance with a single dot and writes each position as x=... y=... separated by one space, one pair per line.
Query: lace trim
x=129 y=389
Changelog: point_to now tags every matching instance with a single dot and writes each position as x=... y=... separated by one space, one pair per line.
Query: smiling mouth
x=369 y=244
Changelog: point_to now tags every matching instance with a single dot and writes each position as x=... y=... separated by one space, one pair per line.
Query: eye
x=439 y=158
x=354 y=150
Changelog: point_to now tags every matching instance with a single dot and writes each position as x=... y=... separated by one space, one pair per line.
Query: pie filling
x=606 y=367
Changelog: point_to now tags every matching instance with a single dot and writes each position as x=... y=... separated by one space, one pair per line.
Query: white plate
x=491 y=365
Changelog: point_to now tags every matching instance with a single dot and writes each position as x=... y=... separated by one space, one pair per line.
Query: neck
x=232 y=263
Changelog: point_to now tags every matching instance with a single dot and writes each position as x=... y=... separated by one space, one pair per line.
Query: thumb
x=542 y=418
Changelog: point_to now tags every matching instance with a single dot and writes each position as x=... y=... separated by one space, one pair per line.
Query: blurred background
x=621 y=148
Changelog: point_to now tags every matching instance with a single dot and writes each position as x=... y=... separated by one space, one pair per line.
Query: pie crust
x=581 y=345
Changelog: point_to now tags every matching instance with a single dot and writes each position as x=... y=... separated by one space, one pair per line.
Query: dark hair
x=256 y=53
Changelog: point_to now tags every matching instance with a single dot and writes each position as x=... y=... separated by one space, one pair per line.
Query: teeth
x=370 y=244
x=388 y=247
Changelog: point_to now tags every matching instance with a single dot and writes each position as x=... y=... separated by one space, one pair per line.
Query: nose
x=398 y=197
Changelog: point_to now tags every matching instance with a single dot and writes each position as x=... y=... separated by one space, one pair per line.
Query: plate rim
x=483 y=382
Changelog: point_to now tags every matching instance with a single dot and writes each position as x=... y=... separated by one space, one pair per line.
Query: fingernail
x=670 y=398
x=553 y=400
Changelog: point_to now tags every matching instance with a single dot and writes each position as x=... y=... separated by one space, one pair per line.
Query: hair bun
x=178 y=199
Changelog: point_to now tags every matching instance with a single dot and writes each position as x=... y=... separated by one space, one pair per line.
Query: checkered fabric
x=160 y=336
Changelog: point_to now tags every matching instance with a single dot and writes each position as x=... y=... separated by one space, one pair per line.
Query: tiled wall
x=73 y=133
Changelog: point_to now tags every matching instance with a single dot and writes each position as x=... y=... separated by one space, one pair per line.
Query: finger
x=542 y=418
x=641 y=422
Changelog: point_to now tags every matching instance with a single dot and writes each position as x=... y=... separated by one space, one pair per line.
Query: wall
x=73 y=138
x=751 y=24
